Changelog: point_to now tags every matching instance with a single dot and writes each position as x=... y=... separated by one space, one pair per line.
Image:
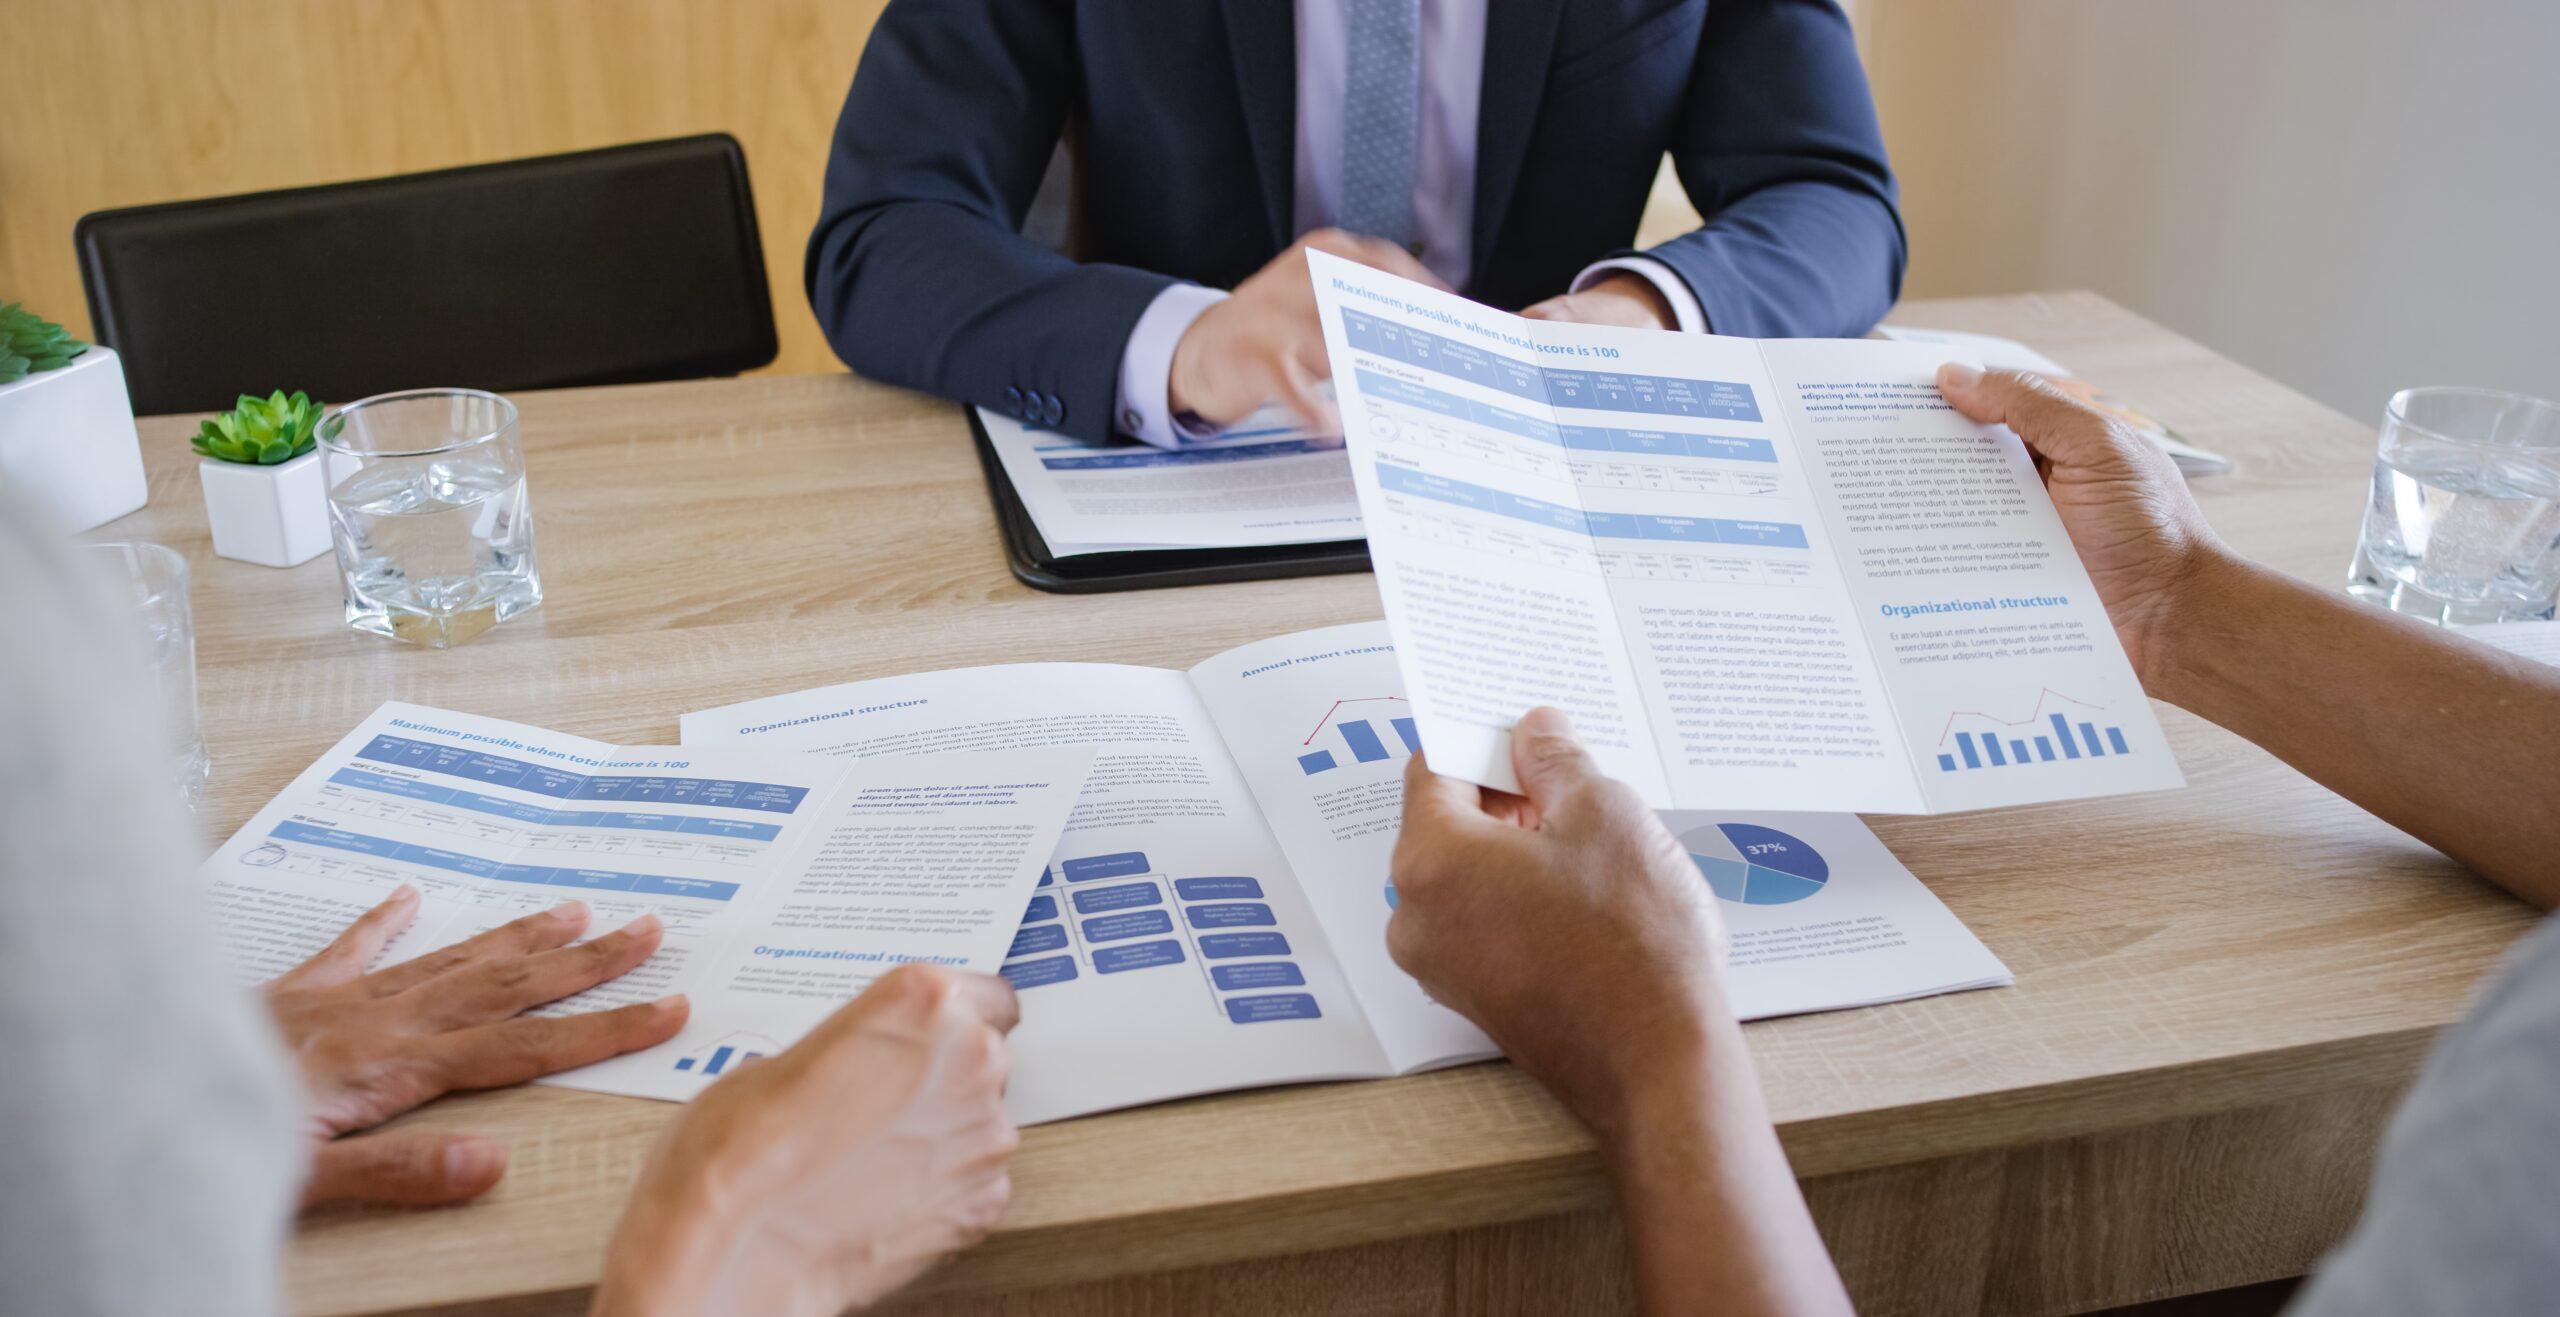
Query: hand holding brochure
x=1773 y=574
x=786 y=882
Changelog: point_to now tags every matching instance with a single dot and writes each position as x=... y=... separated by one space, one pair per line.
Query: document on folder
x=1263 y=481
x=1776 y=574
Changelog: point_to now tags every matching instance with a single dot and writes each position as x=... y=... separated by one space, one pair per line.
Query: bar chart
x=2059 y=738
x=1380 y=731
x=736 y=1049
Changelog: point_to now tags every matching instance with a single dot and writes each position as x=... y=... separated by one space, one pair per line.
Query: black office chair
x=617 y=266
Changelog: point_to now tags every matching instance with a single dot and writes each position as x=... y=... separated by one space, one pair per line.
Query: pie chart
x=1751 y=865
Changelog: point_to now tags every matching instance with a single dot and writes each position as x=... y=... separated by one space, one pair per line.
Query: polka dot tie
x=1381 y=113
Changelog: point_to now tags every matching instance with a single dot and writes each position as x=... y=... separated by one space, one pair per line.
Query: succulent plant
x=262 y=431
x=30 y=343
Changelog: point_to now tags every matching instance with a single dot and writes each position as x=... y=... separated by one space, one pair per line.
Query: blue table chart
x=1751 y=865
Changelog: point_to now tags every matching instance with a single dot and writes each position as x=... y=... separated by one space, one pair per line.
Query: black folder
x=1143 y=569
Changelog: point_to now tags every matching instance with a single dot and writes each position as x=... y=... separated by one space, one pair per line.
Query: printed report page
x=1320 y=726
x=1168 y=950
x=2007 y=679
x=1263 y=480
x=785 y=882
x=492 y=821
x=1615 y=523
x=1821 y=916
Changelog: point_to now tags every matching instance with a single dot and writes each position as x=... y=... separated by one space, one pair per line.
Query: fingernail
x=671 y=1002
x=643 y=924
x=1957 y=375
x=470 y=1161
x=1548 y=719
x=567 y=908
x=404 y=892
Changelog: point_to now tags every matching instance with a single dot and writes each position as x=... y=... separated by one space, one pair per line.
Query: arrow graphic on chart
x=1327 y=720
x=1950 y=728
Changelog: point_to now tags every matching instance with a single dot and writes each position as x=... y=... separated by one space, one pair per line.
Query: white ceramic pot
x=67 y=441
x=275 y=516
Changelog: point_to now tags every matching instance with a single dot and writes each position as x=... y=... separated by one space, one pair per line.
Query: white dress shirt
x=1444 y=193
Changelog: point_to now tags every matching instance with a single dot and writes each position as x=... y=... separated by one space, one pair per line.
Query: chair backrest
x=623 y=265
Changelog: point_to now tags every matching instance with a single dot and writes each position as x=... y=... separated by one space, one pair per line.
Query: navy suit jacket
x=1183 y=114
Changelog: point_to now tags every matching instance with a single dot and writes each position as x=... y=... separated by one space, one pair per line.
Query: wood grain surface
x=2219 y=989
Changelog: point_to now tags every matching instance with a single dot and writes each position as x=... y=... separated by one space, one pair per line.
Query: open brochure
x=1216 y=914
x=1758 y=575
x=1992 y=352
x=786 y=882
x=1263 y=480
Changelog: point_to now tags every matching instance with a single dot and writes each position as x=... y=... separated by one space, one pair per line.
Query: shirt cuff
x=1691 y=317
x=1144 y=410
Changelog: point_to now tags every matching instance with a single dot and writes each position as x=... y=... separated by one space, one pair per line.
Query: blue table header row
x=472 y=765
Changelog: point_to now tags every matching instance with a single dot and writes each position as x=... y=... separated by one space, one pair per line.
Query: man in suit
x=1503 y=148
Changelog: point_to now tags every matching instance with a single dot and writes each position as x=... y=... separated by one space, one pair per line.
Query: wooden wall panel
x=121 y=102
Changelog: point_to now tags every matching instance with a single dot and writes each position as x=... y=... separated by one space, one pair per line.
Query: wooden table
x=2220 y=991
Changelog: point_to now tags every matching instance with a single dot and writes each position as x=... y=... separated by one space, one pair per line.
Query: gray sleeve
x=148 y=1154
x=2464 y=1215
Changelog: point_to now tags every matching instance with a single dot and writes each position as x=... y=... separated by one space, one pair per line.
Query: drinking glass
x=428 y=511
x=2464 y=524
x=151 y=579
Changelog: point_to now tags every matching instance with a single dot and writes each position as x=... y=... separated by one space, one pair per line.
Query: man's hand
x=373 y=1045
x=1567 y=923
x=1627 y=300
x=1265 y=342
x=832 y=1174
x=2126 y=507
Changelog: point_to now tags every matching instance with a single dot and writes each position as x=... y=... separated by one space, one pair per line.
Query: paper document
x=1995 y=353
x=1263 y=480
x=2539 y=641
x=787 y=882
x=1215 y=915
x=1758 y=575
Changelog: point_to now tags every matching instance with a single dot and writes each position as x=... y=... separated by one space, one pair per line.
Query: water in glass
x=435 y=553
x=2464 y=523
x=429 y=514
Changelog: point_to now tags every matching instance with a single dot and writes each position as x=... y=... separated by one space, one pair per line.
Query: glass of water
x=2464 y=526
x=428 y=511
x=151 y=580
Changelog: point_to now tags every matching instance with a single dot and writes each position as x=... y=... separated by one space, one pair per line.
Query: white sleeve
x=1145 y=409
x=1685 y=308
x=149 y=1157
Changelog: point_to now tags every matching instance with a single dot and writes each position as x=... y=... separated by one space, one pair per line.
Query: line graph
x=1322 y=722
x=2042 y=694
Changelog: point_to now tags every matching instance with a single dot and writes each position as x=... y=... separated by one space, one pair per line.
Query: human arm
x=1568 y=924
x=2445 y=738
x=832 y=1174
x=1778 y=147
x=917 y=269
